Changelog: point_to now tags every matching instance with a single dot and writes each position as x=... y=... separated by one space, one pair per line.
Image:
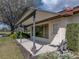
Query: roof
x=40 y=15
x=55 y=5
x=27 y=15
x=50 y=16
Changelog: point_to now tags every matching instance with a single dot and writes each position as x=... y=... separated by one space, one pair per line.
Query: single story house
x=50 y=27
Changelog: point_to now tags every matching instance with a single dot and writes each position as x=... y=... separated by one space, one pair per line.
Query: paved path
x=27 y=44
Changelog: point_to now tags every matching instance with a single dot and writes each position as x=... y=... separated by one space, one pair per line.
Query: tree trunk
x=12 y=29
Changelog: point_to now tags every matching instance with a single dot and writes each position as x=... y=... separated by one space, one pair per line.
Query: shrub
x=22 y=35
x=13 y=36
x=48 y=56
x=25 y=35
x=72 y=35
x=67 y=56
x=18 y=34
x=55 y=55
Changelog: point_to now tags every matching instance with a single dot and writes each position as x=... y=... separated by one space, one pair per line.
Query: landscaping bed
x=57 y=55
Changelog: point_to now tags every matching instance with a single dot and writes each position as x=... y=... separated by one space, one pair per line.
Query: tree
x=12 y=10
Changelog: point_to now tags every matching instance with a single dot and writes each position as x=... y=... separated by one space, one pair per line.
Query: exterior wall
x=39 y=39
x=62 y=23
x=60 y=35
x=73 y=19
x=50 y=31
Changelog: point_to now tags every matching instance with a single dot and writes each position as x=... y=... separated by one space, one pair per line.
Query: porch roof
x=40 y=16
x=26 y=16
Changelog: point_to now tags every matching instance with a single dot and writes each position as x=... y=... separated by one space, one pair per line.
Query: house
x=50 y=27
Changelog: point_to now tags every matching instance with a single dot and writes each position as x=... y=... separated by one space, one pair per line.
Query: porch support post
x=31 y=33
x=34 y=46
x=20 y=33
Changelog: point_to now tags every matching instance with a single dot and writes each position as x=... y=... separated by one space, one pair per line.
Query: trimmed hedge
x=72 y=35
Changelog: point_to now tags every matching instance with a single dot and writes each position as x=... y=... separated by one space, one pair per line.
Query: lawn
x=9 y=49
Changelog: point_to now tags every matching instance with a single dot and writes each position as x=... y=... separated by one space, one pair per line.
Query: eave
x=58 y=15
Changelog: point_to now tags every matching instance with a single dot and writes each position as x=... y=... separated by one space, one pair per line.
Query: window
x=39 y=31
x=42 y=31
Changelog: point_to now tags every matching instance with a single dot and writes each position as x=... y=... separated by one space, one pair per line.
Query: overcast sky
x=3 y=26
x=55 y=5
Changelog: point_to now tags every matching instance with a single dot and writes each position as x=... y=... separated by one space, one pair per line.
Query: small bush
x=25 y=35
x=13 y=36
x=55 y=55
x=58 y=55
x=18 y=34
x=67 y=56
x=48 y=56
x=72 y=35
x=22 y=35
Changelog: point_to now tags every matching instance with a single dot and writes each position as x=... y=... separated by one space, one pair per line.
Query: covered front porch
x=37 y=24
x=45 y=34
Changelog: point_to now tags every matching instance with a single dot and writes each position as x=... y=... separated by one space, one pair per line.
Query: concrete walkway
x=27 y=44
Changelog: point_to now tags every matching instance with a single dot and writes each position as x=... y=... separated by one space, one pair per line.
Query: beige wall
x=39 y=38
x=62 y=23
x=60 y=35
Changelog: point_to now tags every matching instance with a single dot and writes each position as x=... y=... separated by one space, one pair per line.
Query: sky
x=55 y=5
x=3 y=26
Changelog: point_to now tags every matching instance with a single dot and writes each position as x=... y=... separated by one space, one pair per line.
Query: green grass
x=9 y=49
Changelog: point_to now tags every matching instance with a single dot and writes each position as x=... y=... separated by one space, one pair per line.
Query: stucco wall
x=73 y=19
x=60 y=35
x=40 y=39
x=62 y=23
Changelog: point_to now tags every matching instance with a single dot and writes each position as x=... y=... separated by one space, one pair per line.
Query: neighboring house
x=50 y=27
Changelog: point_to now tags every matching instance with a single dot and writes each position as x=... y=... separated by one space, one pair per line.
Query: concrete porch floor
x=40 y=49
